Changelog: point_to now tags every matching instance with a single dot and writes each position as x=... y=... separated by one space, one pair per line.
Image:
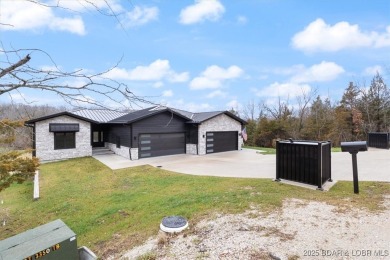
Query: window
x=95 y=137
x=64 y=140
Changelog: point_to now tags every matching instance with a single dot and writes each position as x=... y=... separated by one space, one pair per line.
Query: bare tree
x=302 y=110
x=92 y=89
x=281 y=111
x=17 y=72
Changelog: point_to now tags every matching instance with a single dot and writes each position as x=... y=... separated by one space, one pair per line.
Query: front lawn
x=262 y=150
x=112 y=211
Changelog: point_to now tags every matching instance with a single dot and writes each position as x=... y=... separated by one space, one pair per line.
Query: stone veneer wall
x=191 y=149
x=44 y=140
x=122 y=151
x=218 y=123
x=134 y=153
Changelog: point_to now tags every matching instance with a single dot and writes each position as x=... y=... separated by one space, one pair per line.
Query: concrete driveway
x=373 y=165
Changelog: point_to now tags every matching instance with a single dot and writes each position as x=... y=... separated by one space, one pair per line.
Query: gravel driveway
x=300 y=230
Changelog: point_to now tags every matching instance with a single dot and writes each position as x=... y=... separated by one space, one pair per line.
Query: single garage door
x=221 y=141
x=151 y=145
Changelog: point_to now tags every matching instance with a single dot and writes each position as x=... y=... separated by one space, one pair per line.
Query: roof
x=144 y=113
x=203 y=116
x=99 y=115
x=89 y=115
x=114 y=117
x=65 y=113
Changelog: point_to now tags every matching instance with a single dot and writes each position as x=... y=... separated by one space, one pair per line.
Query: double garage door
x=221 y=141
x=151 y=145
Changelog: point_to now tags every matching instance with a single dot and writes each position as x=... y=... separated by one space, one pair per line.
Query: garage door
x=221 y=141
x=151 y=145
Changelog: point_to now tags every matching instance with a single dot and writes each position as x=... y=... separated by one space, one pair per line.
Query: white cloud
x=372 y=71
x=283 y=90
x=217 y=93
x=383 y=40
x=23 y=15
x=325 y=71
x=158 y=84
x=234 y=104
x=139 y=16
x=179 y=77
x=319 y=36
x=202 y=10
x=214 y=76
x=156 y=71
x=167 y=93
x=74 y=25
x=242 y=19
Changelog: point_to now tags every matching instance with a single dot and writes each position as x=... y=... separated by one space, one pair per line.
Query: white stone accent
x=122 y=151
x=191 y=149
x=44 y=140
x=134 y=153
x=217 y=124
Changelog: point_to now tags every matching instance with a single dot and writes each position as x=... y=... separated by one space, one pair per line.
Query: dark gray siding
x=160 y=123
x=121 y=131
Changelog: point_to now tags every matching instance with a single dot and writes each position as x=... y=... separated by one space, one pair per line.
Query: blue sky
x=208 y=54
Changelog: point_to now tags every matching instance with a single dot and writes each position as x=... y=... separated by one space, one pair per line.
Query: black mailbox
x=354 y=147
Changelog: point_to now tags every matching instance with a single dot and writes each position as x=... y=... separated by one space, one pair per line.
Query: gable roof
x=89 y=115
x=114 y=117
x=99 y=115
x=144 y=113
x=65 y=113
x=200 y=117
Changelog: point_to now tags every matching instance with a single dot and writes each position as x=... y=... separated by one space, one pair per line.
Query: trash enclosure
x=306 y=162
x=379 y=140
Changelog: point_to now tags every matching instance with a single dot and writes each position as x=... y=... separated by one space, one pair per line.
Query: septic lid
x=173 y=224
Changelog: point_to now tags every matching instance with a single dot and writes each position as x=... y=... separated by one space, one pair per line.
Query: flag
x=244 y=134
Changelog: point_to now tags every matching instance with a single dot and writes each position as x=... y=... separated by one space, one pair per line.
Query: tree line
x=360 y=111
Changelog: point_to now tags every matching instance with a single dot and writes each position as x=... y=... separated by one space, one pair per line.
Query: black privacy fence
x=379 y=140
x=307 y=162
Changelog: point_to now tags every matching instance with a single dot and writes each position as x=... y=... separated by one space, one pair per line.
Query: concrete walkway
x=373 y=165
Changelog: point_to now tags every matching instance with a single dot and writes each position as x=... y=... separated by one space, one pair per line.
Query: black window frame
x=64 y=143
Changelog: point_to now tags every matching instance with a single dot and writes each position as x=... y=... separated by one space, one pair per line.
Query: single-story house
x=150 y=132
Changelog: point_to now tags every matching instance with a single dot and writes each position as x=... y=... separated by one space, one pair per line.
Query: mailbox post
x=353 y=148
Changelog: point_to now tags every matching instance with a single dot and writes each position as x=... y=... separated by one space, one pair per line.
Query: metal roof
x=140 y=114
x=99 y=115
x=115 y=117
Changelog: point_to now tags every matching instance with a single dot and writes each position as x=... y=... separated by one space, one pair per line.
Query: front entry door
x=97 y=139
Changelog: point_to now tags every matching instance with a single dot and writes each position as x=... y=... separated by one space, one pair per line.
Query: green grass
x=263 y=150
x=112 y=211
x=336 y=149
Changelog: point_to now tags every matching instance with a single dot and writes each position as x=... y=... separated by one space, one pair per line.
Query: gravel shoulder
x=300 y=230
